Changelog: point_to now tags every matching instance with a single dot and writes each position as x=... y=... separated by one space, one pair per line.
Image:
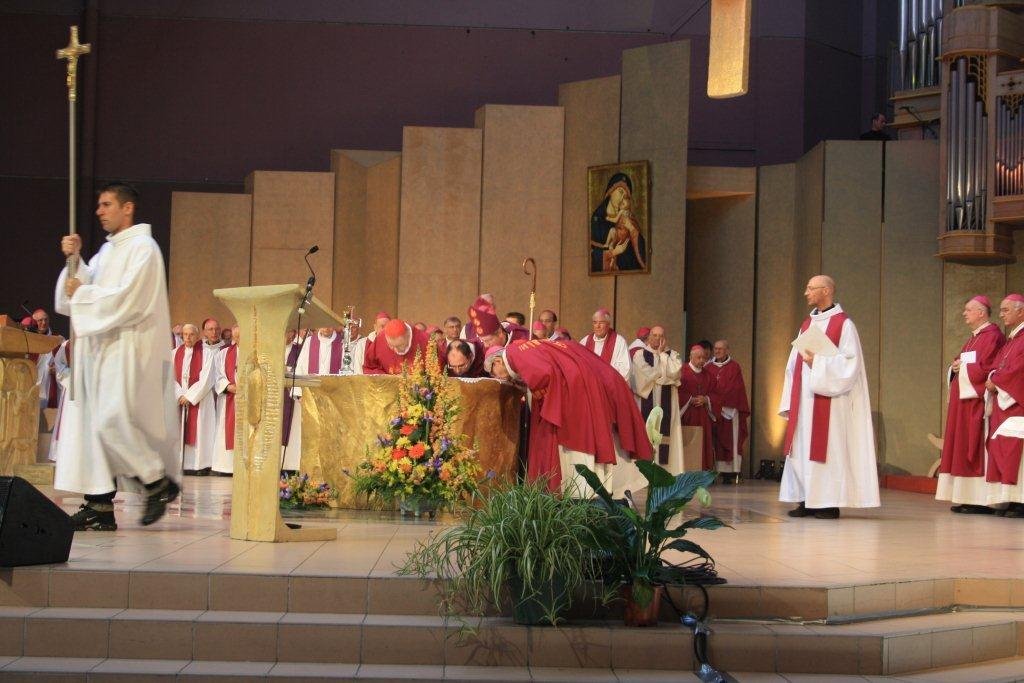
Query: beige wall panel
x=439 y=234
x=367 y=187
x=910 y=383
x=198 y=221
x=383 y=204
x=851 y=240
x=591 y=139
x=1015 y=271
x=720 y=274
x=775 y=314
x=521 y=210
x=712 y=181
x=350 y=243
x=655 y=126
x=292 y=211
x=810 y=212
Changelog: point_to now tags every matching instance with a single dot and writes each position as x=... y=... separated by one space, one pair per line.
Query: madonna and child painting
x=619 y=223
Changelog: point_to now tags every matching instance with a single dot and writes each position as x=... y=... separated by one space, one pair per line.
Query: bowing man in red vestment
x=1006 y=425
x=695 y=386
x=962 y=468
x=395 y=349
x=582 y=412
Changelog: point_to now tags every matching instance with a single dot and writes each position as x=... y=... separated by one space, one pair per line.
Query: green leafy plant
x=545 y=548
x=635 y=541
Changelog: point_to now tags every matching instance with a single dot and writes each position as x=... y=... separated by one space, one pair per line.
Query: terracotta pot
x=634 y=615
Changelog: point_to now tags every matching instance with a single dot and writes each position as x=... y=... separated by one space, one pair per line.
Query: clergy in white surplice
x=830 y=441
x=121 y=423
x=607 y=343
x=193 y=375
x=225 y=365
x=655 y=382
x=49 y=388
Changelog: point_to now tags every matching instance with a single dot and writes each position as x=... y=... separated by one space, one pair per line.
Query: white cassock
x=651 y=381
x=357 y=348
x=223 y=453
x=63 y=370
x=43 y=379
x=849 y=475
x=636 y=344
x=620 y=354
x=122 y=422
x=200 y=395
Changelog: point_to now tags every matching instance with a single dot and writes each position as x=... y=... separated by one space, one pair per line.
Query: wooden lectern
x=264 y=314
x=19 y=395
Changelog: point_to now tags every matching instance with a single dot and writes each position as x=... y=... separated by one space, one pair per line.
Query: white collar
x=981 y=327
x=697 y=370
x=139 y=229
x=1016 y=330
x=825 y=315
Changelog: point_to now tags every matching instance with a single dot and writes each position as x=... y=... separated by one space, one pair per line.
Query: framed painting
x=620 y=228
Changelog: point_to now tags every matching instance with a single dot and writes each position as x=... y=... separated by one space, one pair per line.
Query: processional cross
x=72 y=52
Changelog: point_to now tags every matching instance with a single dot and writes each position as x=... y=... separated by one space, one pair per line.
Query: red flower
x=406 y=430
x=416 y=451
x=398 y=454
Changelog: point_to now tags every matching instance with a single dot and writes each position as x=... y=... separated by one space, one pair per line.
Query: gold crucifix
x=72 y=52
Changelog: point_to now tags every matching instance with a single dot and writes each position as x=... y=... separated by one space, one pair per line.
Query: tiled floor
x=910 y=537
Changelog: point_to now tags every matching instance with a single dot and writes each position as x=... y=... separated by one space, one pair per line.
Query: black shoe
x=972 y=509
x=1015 y=510
x=161 y=493
x=799 y=511
x=88 y=519
x=215 y=473
x=826 y=513
x=203 y=472
x=190 y=473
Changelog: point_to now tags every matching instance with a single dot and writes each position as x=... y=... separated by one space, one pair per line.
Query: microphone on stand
x=312 y=278
x=24 y=307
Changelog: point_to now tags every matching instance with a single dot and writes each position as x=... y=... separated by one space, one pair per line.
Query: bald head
x=656 y=338
x=820 y=292
x=721 y=350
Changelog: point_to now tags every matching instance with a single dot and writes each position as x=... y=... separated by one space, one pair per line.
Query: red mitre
x=1015 y=297
x=485 y=305
x=395 y=328
x=484 y=321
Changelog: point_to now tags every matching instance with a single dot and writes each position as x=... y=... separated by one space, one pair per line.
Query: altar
x=342 y=415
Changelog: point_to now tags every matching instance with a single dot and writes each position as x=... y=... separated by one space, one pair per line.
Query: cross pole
x=71 y=52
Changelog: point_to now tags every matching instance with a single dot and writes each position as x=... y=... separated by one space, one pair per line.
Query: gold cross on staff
x=72 y=52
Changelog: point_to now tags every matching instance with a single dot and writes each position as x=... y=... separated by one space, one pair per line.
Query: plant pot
x=551 y=599
x=634 y=614
x=418 y=506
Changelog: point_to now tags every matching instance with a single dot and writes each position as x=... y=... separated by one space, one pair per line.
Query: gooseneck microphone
x=312 y=278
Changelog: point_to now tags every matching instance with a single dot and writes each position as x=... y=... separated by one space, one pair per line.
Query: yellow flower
x=402 y=442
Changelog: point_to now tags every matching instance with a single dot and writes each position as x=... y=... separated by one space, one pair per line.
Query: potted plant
x=635 y=540
x=299 y=492
x=540 y=548
x=421 y=460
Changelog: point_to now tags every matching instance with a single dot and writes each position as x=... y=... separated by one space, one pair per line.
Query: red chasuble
x=963 y=449
x=380 y=359
x=691 y=385
x=728 y=391
x=577 y=401
x=822 y=411
x=1004 y=451
x=607 y=350
x=195 y=367
x=230 y=367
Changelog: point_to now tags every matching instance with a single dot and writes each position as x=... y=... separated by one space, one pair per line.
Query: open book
x=815 y=341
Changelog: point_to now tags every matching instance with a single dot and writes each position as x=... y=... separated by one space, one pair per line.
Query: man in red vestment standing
x=695 y=406
x=396 y=348
x=1006 y=425
x=962 y=468
x=732 y=409
x=582 y=412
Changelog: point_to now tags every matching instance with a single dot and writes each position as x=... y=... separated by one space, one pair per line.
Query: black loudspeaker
x=33 y=530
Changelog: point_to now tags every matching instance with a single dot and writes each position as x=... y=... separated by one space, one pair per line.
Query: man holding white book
x=830 y=442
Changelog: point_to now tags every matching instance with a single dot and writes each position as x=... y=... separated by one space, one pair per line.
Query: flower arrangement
x=299 y=491
x=421 y=455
